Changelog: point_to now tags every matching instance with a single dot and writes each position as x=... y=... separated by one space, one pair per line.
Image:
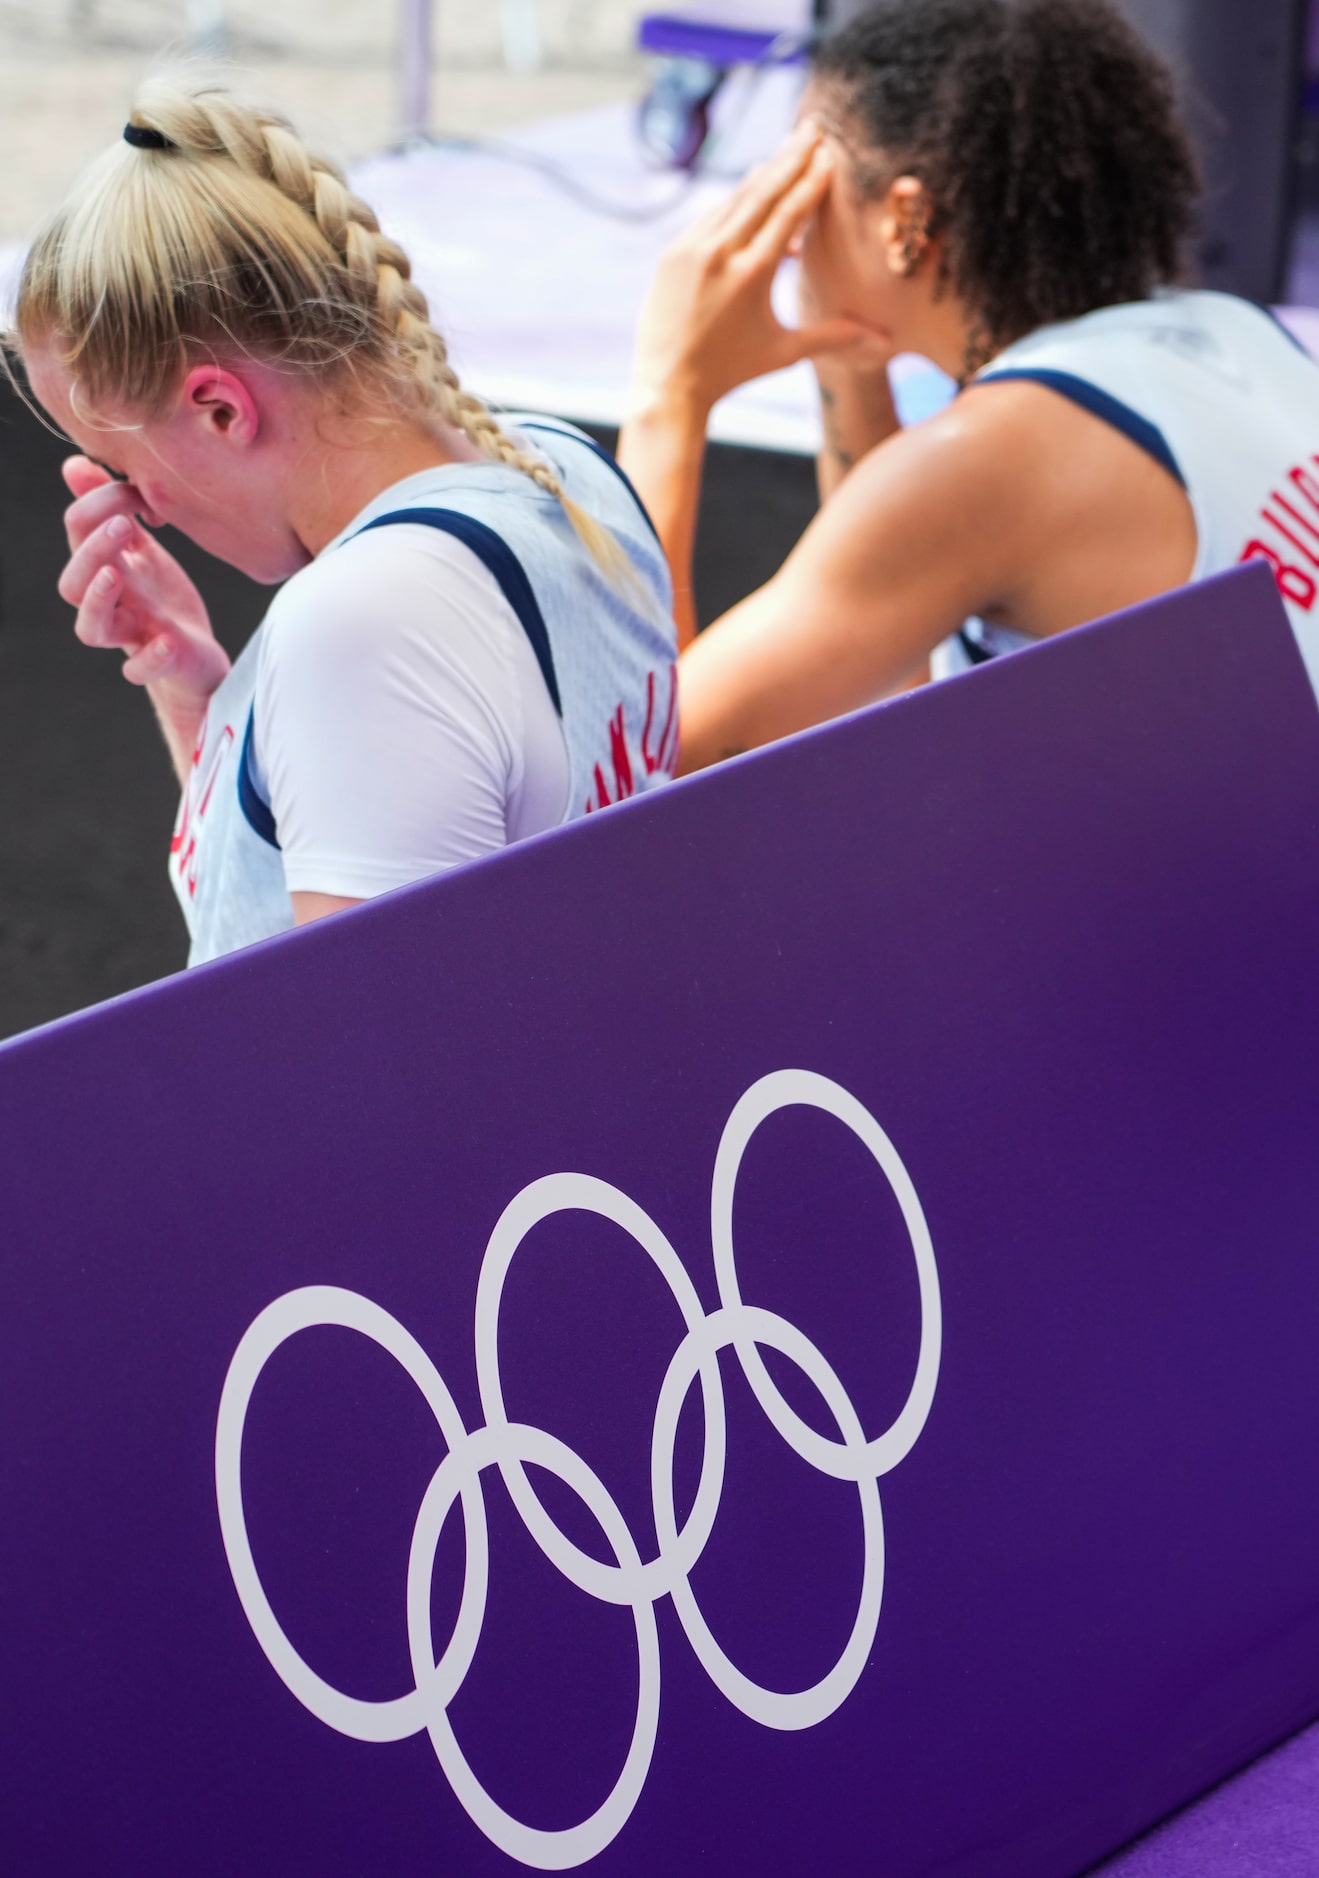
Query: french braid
x=237 y=232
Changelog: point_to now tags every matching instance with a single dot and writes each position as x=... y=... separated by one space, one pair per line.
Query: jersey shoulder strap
x=554 y=427
x=499 y=559
x=1100 y=403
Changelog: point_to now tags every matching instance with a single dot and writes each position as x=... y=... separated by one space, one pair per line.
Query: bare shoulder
x=1063 y=451
x=1016 y=504
x=1018 y=424
x=983 y=448
x=1023 y=458
x=1076 y=519
x=945 y=493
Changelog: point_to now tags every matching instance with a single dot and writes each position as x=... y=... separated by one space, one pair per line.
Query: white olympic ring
x=510 y=1446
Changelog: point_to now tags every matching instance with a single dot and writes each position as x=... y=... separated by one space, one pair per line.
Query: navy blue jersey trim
x=1100 y=404
x=975 y=649
x=579 y=436
x=496 y=555
x=255 y=808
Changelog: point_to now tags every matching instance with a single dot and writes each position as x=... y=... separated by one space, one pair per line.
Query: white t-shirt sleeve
x=402 y=723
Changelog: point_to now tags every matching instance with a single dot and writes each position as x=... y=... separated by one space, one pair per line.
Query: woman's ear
x=905 y=226
x=222 y=403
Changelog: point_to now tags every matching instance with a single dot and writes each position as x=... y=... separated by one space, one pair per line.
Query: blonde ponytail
x=220 y=230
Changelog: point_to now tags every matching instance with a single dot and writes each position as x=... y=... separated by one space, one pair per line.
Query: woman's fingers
x=750 y=206
x=155 y=660
x=101 y=548
x=93 y=510
x=825 y=337
x=103 y=621
x=82 y=475
x=113 y=599
x=788 y=217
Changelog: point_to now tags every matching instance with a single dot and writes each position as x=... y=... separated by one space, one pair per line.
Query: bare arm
x=858 y=413
x=709 y=326
x=662 y=449
x=311 y=906
x=1014 y=504
x=917 y=536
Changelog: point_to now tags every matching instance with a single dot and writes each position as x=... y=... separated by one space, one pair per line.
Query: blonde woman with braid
x=473 y=642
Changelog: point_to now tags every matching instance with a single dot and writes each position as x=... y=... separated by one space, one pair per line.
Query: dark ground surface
x=87 y=798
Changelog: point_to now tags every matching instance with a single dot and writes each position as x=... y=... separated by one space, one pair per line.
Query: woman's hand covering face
x=709 y=324
x=131 y=594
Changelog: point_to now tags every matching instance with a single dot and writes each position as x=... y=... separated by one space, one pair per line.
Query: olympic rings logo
x=632 y=1581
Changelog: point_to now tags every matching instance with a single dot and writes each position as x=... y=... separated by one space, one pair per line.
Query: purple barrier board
x=676 y=37
x=771 y=1331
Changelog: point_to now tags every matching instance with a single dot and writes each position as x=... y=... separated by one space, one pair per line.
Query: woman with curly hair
x=1004 y=187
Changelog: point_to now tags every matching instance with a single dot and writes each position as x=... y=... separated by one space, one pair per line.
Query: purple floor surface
x=1263 y=1824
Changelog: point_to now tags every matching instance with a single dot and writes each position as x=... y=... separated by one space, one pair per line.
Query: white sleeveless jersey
x=607 y=652
x=1217 y=392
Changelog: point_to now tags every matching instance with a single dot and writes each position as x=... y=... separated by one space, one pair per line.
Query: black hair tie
x=142 y=139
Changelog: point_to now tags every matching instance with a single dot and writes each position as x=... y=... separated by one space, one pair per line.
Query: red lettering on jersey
x=651 y=763
x=1303 y=521
x=620 y=756
x=187 y=872
x=199 y=789
x=669 y=744
x=1306 y=483
x=1294 y=583
x=659 y=758
x=662 y=757
x=1287 y=535
x=185 y=806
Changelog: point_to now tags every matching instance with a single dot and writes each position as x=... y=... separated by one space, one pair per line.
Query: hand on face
x=131 y=594
x=709 y=323
x=868 y=351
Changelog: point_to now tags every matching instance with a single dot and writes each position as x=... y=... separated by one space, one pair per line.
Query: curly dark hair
x=1047 y=136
